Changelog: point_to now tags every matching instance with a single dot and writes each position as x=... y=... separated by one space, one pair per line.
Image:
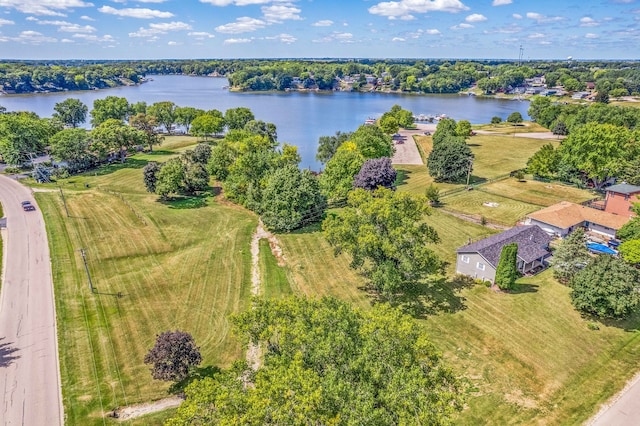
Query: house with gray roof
x=480 y=259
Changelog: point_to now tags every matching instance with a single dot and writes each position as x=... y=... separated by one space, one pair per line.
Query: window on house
x=464 y=258
x=480 y=266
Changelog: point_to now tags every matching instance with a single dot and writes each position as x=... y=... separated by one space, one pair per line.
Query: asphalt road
x=624 y=410
x=29 y=367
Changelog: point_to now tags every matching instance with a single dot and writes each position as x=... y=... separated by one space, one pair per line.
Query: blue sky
x=155 y=29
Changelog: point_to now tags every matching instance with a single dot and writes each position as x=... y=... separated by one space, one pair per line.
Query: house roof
x=531 y=240
x=565 y=214
x=623 y=188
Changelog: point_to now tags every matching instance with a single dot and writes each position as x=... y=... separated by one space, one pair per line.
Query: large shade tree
x=71 y=112
x=328 y=145
x=173 y=354
x=325 y=363
x=337 y=179
x=113 y=136
x=165 y=114
x=387 y=238
x=111 y=107
x=450 y=161
x=72 y=147
x=372 y=142
x=23 y=135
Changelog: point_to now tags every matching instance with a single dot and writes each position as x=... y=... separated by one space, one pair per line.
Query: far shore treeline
x=618 y=78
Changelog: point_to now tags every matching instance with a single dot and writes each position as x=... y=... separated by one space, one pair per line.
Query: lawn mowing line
x=511 y=198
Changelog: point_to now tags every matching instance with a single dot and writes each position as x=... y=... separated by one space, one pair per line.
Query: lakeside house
x=620 y=199
x=480 y=259
x=564 y=217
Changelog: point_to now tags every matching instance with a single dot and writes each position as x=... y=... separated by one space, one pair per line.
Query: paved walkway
x=407 y=152
x=29 y=366
x=623 y=409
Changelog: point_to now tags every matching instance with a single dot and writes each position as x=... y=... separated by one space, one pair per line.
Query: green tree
x=71 y=112
x=515 y=118
x=147 y=124
x=328 y=145
x=328 y=363
x=631 y=229
x=507 y=271
x=630 y=251
x=388 y=123
x=371 y=142
x=170 y=178
x=113 y=135
x=537 y=105
x=385 y=234
x=150 y=175
x=237 y=118
x=186 y=115
x=496 y=120
x=165 y=113
x=222 y=157
x=374 y=173
x=291 y=199
x=560 y=128
x=405 y=118
x=262 y=128
x=23 y=133
x=337 y=178
x=602 y=97
x=544 y=162
x=570 y=256
x=463 y=128
x=111 y=107
x=607 y=288
x=72 y=146
x=433 y=194
x=597 y=150
x=206 y=125
x=450 y=161
x=174 y=353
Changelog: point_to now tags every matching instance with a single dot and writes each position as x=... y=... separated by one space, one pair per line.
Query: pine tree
x=507 y=272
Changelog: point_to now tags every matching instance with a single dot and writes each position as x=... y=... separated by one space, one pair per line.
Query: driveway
x=407 y=152
x=29 y=366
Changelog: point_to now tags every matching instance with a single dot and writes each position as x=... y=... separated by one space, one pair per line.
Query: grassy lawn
x=535 y=192
x=505 y=211
x=273 y=277
x=509 y=128
x=186 y=265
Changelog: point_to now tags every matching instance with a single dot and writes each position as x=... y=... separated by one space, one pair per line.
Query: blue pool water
x=600 y=248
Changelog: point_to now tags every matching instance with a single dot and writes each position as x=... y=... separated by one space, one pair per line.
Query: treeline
x=418 y=76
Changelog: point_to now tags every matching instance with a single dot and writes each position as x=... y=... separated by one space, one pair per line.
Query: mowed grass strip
x=494 y=208
x=536 y=192
x=273 y=277
x=185 y=269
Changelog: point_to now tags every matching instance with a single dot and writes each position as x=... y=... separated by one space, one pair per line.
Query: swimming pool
x=600 y=248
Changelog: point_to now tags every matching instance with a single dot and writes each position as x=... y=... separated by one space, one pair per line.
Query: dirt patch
x=133 y=411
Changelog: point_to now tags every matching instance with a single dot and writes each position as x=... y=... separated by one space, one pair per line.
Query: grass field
x=508 y=128
x=273 y=277
x=187 y=266
x=538 y=193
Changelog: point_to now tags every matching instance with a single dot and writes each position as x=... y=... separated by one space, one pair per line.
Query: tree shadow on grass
x=440 y=295
x=630 y=324
x=159 y=152
x=196 y=373
x=402 y=176
x=524 y=289
x=309 y=229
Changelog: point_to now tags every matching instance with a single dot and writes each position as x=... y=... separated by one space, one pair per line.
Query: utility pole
x=64 y=201
x=520 y=55
x=469 y=172
x=86 y=268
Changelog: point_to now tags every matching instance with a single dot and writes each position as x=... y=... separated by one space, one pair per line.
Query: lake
x=300 y=117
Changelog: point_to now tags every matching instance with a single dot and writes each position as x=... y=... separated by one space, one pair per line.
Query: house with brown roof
x=620 y=199
x=480 y=259
x=562 y=218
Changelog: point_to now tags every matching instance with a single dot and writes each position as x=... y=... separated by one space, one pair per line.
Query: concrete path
x=29 y=366
x=407 y=152
x=623 y=409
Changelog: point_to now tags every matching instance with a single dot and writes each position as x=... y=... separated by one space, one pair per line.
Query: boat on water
x=370 y=121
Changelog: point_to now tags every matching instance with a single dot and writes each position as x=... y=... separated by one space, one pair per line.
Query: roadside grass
x=155 y=419
x=185 y=269
x=273 y=277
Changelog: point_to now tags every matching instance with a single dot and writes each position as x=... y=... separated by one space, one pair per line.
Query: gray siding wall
x=471 y=269
x=611 y=233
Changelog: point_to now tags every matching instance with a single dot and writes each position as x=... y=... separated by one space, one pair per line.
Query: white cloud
x=323 y=23
x=200 y=35
x=241 y=2
x=336 y=36
x=536 y=35
x=242 y=25
x=461 y=26
x=171 y=26
x=141 y=13
x=588 y=22
x=94 y=38
x=284 y=38
x=433 y=31
x=279 y=13
x=66 y=40
x=237 y=40
x=44 y=7
x=542 y=18
x=173 y=43
x=517 y=16
x=87 y=18
x=6 y=22
x=402 y=8
x=68 y=27
x=510 y=29
x=31 y=37
x=475 y=17
x=400 y=39
x=591 y=35
x=501 y=2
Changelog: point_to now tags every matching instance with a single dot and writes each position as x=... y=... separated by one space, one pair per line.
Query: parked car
x=27 y=206
x=427 y=133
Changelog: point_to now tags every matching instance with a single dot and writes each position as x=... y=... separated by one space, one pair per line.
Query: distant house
x=620 y=199
x=590 y=85
x=563 y=218
x=480 y=259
